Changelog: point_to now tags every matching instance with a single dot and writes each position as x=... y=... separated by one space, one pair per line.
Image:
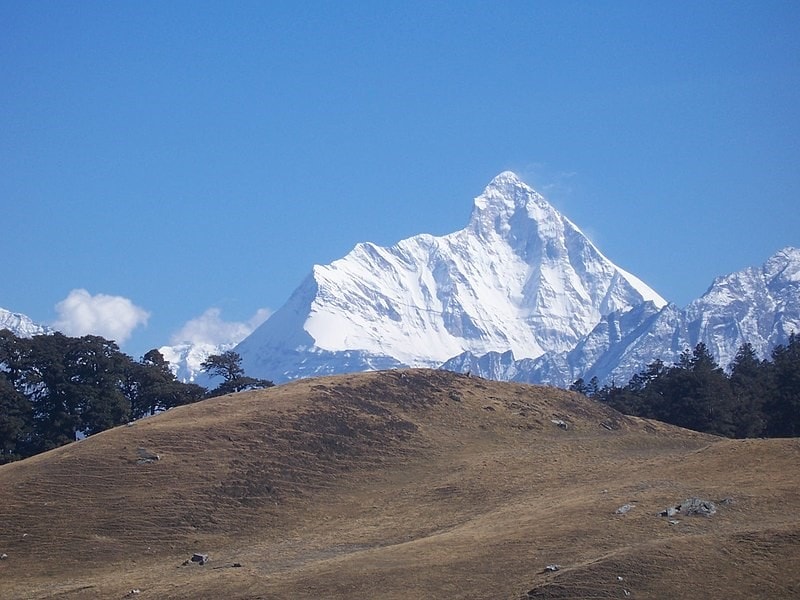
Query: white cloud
x=557 y=186
x=262 y=314
x=112 y=317
x=209 y=328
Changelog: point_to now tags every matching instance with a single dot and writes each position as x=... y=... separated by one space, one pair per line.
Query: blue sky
x=186 y=163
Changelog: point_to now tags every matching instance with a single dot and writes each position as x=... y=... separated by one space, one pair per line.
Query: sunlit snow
x=518 y=277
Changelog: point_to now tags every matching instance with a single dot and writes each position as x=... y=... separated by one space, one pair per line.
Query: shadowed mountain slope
x=400 y=484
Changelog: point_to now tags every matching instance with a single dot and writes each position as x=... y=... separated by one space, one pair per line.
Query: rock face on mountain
x=520 y=277
x=21 y=325
x=758 y=305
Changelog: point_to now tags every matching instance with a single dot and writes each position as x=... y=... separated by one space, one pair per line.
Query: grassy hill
x=398 y=485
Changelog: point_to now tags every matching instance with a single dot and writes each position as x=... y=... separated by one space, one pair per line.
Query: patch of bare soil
x=401 y=484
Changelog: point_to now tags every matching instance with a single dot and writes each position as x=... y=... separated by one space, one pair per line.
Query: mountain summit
x=519 y=277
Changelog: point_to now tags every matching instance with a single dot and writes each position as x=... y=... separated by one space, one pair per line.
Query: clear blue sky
x=195 y=155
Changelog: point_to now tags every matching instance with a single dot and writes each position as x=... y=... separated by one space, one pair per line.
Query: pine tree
x=593 y=388
x=56 y=414
x=696 y=394
x=750 y=385
x=784 y=405
x=644 y=394
x=579 y=386
x=227 y=365
x=96 y=367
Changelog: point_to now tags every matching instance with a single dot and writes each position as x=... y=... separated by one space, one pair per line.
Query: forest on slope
x=55 y=389
x=757 y=398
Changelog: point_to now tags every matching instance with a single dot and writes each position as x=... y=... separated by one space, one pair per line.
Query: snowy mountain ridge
x=519 y=294
x=519 y=277
x=758 y=305
x=21 y=325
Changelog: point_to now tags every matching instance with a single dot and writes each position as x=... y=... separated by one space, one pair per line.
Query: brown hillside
x=399 y=485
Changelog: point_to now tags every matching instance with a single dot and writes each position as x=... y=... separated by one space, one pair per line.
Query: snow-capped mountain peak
x=508 y=206
x=503 y=197
x=783 y=267
x=518 y=277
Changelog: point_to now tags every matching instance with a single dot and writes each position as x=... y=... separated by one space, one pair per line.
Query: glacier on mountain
x=520 y=277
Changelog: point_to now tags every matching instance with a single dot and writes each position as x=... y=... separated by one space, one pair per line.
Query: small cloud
x=112 y=317
x=262 y=314
x=209 y=328
x=555 y=184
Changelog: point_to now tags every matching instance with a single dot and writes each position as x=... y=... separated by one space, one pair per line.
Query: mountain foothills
x=402 y=484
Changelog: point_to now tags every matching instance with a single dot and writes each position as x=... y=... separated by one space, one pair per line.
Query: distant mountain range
x=519 y=294
x=759 y=305
x=520 y=277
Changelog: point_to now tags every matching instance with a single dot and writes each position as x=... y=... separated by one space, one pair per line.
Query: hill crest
x=387 y=484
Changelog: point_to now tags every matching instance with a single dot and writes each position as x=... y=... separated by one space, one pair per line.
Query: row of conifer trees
x=756 y=398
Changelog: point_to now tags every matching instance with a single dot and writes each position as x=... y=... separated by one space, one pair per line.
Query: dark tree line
x=55 y=388
x=758 y=398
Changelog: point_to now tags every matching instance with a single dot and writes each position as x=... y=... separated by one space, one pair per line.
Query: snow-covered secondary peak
x=185 y=359
x=757 y=305
x=518 y=277
x=783 y=267
x=21 y=325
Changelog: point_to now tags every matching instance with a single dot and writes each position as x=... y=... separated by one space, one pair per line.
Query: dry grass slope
x=400 y=484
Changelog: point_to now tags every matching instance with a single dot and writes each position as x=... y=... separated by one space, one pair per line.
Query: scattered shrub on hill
x=228 y=365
